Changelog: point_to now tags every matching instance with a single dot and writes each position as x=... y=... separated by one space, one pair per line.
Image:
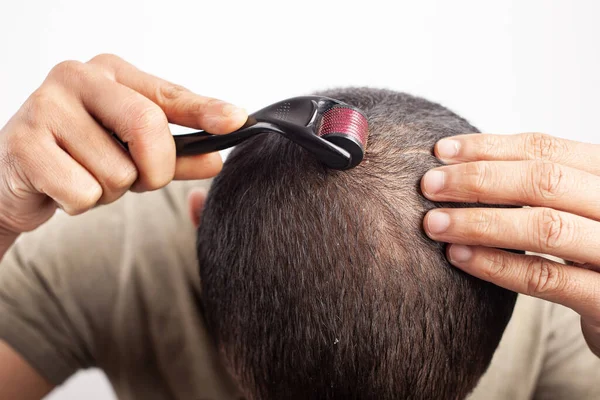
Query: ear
x=196 y=199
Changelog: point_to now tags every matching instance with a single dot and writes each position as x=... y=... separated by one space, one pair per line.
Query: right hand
x=56 y=150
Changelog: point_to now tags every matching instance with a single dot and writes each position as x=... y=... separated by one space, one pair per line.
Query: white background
x=508 y=66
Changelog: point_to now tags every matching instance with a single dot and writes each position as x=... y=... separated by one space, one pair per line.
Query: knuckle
x=13 y=162
x=16 y=157
x=85 y=199
x=497 y=267
x=121 y=179
x=488 y=144
x=484 y=223
x=540 y=146
x=67 y=70
x=203 y=106
x=106 y=59
x=170 y=92
x=480 y=172
x=553 y=229
x=143 y=118
x=544 y=277
x=39 y=108
x=546 y=179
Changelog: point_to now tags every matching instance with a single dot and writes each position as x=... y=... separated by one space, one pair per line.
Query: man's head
x=321 y=284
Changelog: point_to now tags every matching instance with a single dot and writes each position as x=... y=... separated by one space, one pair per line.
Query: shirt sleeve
x=62 y=286
x=570 y=370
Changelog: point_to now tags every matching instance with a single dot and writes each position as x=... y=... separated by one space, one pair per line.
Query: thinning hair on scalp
x=320 y=284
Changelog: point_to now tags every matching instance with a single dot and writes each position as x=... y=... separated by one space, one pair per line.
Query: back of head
x=321 y=284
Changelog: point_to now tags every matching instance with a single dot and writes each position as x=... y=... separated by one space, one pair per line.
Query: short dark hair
x=320 y=284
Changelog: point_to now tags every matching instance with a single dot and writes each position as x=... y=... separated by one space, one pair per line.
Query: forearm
x=18 y=380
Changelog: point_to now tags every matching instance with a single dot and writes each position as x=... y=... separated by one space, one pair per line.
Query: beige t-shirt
x=117 y=288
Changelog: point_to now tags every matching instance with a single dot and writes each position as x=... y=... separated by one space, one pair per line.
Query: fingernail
x=448 y=148
x=229 y=110
x=459 y=253
x=433 y=181
x=438 y=222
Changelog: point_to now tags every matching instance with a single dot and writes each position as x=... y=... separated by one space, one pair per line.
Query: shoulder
x=83 y=281
x=519 y=358
x=543 y=354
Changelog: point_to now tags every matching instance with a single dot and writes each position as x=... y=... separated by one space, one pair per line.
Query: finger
x=540 y=230
x=535 y=276
x=533 y=183
x=90 y=145
x=64 y=180
x=198 y=167
x=525 y=146
x=181 y=106
x=134 y=118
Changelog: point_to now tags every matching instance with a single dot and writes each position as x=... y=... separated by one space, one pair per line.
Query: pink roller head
x=346 y=127
x=345 y=121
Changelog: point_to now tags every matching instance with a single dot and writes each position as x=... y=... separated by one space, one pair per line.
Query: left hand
x=560 y=181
